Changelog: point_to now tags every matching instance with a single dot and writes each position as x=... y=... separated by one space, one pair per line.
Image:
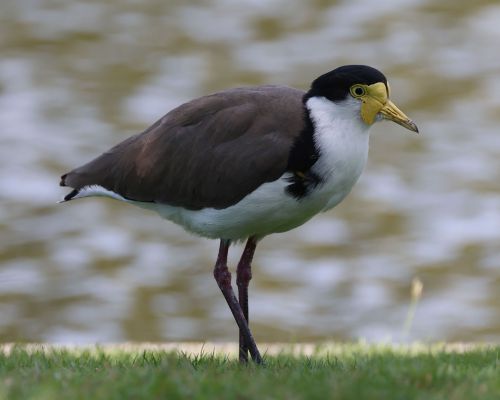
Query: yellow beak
x=392 y=113
x=376 y=102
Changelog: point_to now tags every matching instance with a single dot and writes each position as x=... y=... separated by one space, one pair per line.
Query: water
x=76 y=78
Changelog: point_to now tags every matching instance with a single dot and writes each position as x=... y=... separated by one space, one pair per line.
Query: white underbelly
x=267 y=210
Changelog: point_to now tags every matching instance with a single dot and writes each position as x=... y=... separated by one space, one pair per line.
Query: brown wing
x=210 y=152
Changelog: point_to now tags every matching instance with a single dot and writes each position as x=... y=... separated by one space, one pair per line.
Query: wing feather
x=210 y=152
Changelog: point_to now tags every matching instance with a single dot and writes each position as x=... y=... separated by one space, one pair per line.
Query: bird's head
x=364 y=87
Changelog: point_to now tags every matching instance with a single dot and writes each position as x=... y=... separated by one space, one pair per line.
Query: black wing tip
x=71 y=195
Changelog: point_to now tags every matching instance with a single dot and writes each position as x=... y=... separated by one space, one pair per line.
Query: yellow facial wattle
x=375 y=101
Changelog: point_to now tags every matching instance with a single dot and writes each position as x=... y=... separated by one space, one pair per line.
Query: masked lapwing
x=243 y=163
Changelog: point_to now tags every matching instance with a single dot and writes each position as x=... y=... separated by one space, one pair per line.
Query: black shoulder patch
x=303 y=156
x=301 y=184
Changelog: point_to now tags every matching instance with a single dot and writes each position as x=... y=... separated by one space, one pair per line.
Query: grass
x=347 y=371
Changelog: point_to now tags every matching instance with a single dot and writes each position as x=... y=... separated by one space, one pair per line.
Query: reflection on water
x=77 y=77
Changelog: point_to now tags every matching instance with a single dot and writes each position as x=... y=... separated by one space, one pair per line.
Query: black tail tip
x=63 y=180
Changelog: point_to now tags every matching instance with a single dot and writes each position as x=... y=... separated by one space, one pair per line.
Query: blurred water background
x=77 y=77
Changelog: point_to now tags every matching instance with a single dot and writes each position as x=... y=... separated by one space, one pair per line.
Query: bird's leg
x=243 y=277
x=223 y=278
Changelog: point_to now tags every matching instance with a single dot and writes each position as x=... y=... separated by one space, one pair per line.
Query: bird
x=243 y=163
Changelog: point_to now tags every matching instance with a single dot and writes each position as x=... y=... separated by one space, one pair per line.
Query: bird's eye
x=357 y=91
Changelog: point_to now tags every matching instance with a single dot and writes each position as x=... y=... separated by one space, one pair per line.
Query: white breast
x=343 y=140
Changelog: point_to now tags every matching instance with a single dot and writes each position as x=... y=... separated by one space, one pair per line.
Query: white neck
x=341 y=137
